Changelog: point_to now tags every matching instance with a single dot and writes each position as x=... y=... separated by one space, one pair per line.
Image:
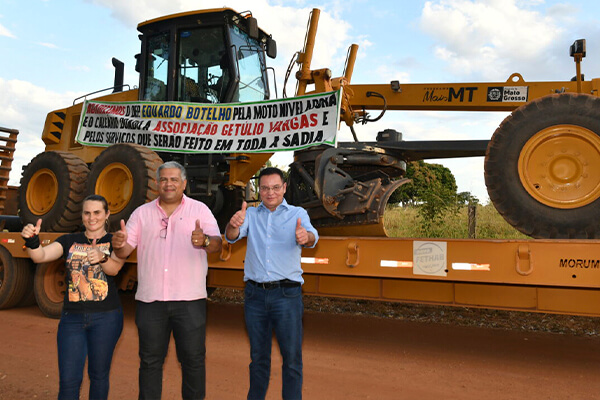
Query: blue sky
x=57 y=50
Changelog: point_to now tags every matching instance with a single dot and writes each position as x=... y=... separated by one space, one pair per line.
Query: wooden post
x=472 y=212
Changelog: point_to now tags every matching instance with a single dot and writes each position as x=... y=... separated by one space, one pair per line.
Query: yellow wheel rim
x=42 y=191
x=559 y=166
x=115 y=183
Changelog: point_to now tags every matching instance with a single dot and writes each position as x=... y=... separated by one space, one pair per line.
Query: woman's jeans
x=266 y=310
x=91 y=335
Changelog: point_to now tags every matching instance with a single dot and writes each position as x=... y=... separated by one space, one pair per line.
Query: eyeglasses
x=267 y=189
x=163 y=231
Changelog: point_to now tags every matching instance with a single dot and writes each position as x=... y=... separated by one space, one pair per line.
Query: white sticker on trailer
x=430 y=258
x=395 y=264
x=470 y=267
x=313 y=260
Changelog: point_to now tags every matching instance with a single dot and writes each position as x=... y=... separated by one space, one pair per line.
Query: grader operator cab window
x=207 y=74
x=158 y=68
x=211 y=61
x=203 y=65
x=251 y=67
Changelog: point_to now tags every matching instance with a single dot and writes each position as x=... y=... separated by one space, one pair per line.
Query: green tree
x=425 y=178
x=432 y=191
x=466 y=198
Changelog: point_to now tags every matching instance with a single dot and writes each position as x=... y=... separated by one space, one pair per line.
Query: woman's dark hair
x=97 y=197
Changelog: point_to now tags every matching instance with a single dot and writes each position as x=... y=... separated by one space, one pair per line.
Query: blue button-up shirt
x=272 y=252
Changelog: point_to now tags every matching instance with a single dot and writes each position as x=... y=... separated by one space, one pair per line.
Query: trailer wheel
x=52 y=188
x=28 y=298
x=125 y=175
x=50 y=287
x=15 y=279
x=541 y=167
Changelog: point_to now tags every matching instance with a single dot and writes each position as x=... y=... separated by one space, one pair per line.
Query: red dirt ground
x=345 y=357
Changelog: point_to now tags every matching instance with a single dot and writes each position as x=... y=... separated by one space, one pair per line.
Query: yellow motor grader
x=540 y=168
x=541 y=164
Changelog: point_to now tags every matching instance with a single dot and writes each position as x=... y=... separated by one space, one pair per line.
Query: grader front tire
x=52 y=188
x=541 y=167
x=125 y=175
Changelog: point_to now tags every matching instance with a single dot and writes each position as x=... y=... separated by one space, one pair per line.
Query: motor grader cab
x=209 y=56
x=219 y=58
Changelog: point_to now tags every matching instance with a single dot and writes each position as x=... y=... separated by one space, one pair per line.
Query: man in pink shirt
x=172 y=235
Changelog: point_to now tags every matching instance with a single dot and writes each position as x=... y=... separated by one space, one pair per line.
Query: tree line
x=433 y=191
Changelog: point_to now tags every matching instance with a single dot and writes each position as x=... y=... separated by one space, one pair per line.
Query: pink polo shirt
x=169 y=267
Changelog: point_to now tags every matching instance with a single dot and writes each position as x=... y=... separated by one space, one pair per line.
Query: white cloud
x=27 y=107
x=564 y=11
x=132 y=12
x=363 y=42
x=5 y=32
x=287 y=25
x=486 y=38
x=386 y=73
x=48 y=45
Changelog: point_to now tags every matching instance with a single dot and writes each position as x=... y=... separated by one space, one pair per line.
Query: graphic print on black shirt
x=88 y=282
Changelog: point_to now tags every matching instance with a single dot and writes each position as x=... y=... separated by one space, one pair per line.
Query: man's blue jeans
x=91 y=335
x=266 y=310
x=187 y=321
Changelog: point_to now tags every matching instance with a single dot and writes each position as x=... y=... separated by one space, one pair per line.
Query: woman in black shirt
x=92 y=316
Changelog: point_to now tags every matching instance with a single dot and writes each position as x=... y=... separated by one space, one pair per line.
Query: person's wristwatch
x=206 y=241
x=104 y=259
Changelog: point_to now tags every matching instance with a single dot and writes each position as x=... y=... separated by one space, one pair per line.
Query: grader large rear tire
x=49 y=287
x=542 y=167
x=52 y=188
x=15 y=279
x=125 y=175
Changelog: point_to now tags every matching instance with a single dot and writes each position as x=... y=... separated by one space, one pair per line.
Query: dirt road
x=345 y=357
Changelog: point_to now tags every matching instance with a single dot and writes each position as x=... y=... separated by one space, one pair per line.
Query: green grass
x=406 y=222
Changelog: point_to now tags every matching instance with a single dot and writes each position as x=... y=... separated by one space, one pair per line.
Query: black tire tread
x=501 y=168
x=143 y=164
x=28 y=268
x=17 y=279
x=71 y=173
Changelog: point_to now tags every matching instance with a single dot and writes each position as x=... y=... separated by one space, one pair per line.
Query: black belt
x=275 y=284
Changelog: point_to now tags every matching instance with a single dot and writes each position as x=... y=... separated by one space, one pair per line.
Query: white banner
x=267 y=126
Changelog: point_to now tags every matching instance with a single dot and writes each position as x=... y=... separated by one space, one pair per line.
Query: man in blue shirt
x=276 y=233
